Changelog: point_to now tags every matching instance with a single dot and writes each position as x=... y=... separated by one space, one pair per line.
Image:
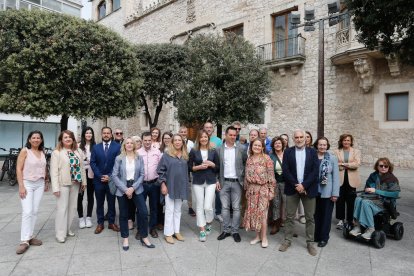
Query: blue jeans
x=102 y=191
x=153 y=192
x=142 y=214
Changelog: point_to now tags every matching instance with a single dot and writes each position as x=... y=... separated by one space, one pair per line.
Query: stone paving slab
x=90 y=254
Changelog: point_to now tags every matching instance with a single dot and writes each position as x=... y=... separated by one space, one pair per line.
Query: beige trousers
x=65 y=209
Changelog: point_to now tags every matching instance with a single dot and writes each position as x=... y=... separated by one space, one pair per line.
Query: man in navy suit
x=102 y=162
x=300 y=170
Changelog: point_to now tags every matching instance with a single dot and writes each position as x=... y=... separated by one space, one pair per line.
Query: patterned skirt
x=257 y=207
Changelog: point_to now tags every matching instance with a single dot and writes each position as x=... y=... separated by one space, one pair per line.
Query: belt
x=231 y=179
x=151 y=181
x=129 y=183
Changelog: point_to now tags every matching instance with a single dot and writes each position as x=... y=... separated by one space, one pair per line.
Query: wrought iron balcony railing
x=282 y=49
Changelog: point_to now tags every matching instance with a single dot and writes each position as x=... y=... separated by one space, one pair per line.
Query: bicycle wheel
x=12 y=173
x=4 y=168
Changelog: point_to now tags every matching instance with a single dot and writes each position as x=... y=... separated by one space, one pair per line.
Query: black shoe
x=147 y=245
x=137 y=236
x=125 y=247
x=322 y=243
x=223 y=235
x=191 y=212
x=106 y=216
x=236 y=237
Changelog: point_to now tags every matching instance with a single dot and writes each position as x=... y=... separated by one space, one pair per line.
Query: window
x=285 y=42
x=67 y=9
x=52 y=4
x=101 y=10
x=397 y=106
x=116 y=4
x=237 y=30
x=10 y=4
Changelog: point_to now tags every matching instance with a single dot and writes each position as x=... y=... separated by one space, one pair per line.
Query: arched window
x=101 y=10
x=116 y=4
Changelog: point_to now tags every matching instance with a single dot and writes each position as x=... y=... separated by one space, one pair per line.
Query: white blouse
x=130 y=169
x=204 y=154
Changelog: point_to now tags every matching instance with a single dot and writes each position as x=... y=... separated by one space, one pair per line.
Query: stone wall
x=293 y=103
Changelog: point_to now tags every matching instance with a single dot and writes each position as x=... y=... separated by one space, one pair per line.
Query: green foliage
x=227 y=81
x=53 y=64
x=164 y=69
x=387 y=24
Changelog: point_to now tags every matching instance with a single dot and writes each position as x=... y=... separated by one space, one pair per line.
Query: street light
x=334 y=17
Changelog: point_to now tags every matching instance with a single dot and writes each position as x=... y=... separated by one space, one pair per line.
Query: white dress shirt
x=130 y=169
x=300 y=163
x=229 y=162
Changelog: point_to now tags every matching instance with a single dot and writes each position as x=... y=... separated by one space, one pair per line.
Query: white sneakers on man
x=88 y=222
x=368 y=233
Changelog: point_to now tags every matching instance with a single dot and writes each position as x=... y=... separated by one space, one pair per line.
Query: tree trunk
x=157 y=111
x=219 y=130
x=64 y=122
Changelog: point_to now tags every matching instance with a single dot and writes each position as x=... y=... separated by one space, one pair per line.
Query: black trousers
x=347 y=197
x=323 y=218
x=90 y=191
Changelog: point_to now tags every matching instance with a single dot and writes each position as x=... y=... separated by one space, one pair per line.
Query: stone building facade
x=366 y=94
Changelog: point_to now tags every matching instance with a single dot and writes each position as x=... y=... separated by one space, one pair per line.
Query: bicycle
x=48 y=155
x=9 y=166
x=4 y=167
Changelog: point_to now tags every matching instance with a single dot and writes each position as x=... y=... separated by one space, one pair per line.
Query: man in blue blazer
x=102 y=162
x=300 y=170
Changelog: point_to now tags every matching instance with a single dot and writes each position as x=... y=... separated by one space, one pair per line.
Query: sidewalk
x=90 y=254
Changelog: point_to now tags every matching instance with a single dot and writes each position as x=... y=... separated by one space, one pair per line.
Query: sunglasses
x=237 y=128
x=119 y=133
x=383 y=166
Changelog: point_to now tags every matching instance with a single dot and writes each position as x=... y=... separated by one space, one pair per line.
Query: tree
x=164 y=69
x=385 y=24
x=53 y=64
x=227 y=81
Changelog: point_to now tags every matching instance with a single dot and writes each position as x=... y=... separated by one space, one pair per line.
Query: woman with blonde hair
x=128 y=176
x=173 y=177
x=259 y=183
x=68 y=179
x=204 y=164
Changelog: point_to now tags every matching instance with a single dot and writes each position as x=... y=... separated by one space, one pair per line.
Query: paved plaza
x=90 y=254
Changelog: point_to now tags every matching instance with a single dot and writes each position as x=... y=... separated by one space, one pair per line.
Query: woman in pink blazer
x=349 y=160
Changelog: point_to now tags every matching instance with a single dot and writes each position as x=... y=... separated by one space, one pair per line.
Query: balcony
x=283 y=53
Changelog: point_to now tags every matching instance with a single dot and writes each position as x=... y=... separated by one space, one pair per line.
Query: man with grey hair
x=265 y=139
x=300 y=170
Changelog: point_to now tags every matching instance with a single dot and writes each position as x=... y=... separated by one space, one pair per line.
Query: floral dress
x=259 y=183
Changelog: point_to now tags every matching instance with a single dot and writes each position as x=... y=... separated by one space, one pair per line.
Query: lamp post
x=334 y=17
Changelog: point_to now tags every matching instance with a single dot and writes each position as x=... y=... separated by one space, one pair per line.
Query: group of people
x=243 y=184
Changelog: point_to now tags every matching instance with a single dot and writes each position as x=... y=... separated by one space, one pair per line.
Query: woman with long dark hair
x=86 y=144
x=32 y=179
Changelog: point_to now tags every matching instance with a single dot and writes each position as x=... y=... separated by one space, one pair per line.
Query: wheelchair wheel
x=397 y=230
x=378 y=239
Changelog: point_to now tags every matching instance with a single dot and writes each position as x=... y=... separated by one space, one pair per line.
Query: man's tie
x=106 y=148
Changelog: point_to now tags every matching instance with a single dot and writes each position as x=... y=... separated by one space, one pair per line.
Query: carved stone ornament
x=191 y=17
x=394 y=64
x=365 y=72
x=282 y=71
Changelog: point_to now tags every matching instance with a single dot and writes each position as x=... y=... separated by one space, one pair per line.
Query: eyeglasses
x=237 y=128
x=119 y=133
x=383 y=166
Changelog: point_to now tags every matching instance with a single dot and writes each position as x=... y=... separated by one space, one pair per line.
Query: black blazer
x=209 y=175
x=310 y=176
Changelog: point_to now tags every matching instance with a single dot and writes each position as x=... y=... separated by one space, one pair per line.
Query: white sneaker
x=88 y=222
x=368 y=233
x=82 y=223
x=356 y=231
x=218 y=217
x=302 y=219
x=340 y=225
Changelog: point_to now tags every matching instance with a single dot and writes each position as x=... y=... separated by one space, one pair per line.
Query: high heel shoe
x=147 y=245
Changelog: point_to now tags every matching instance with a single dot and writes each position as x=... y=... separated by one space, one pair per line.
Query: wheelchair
x=385 y=226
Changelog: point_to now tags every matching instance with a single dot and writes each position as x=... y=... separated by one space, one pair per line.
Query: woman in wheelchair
x=381 y=191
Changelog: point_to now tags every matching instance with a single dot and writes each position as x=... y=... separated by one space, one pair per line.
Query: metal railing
x=285 y=48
